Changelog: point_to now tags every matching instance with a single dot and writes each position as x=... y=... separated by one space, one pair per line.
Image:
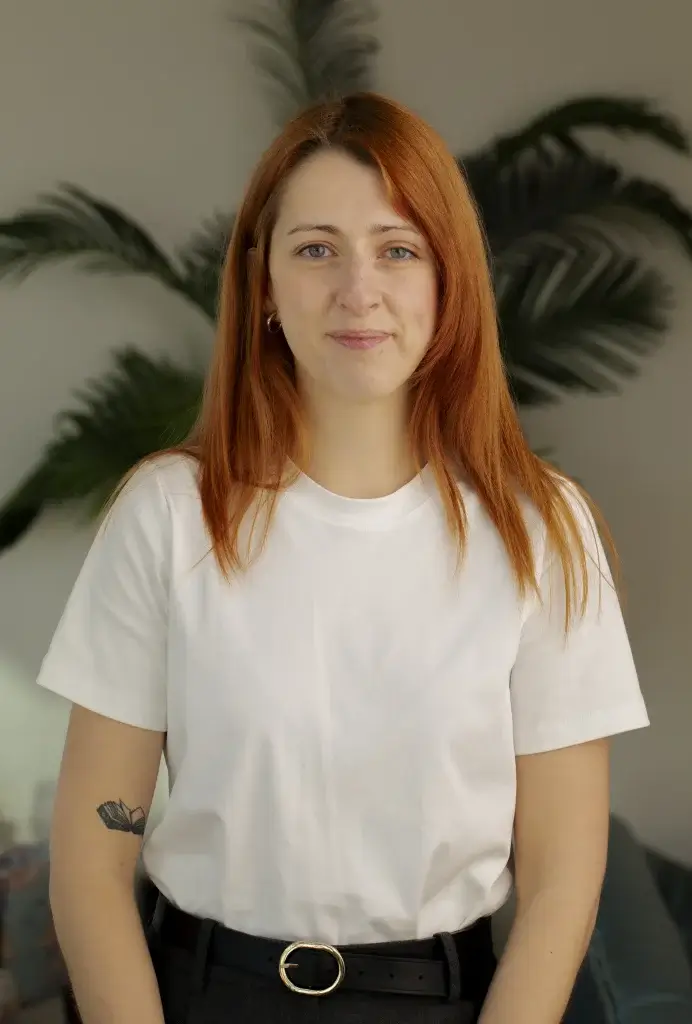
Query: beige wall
x=155 y=106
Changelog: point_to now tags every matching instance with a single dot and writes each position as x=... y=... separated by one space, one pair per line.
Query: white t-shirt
x=342 y=719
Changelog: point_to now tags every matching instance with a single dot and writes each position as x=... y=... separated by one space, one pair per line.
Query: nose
x=358 y=291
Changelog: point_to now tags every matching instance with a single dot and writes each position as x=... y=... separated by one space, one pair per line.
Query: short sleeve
x=571 y=689
x=108 y=652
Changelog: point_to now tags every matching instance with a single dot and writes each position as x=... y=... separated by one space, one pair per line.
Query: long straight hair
x=462 y=415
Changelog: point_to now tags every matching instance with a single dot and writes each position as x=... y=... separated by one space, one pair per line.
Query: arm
x=560 y=843
x=93 y=868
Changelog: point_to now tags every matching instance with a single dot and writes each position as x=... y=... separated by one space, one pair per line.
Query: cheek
x=299 y=294
x=418 y=303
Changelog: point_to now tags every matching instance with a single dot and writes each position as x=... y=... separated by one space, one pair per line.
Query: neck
x=360 y=450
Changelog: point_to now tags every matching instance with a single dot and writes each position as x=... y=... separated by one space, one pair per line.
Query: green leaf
x=202 y=259
x=73 y=224
x=141 y=406
x=288 y=92
x=312 y=50
x=616 y=115
x=638 y=201
x=577 y=318
x=350 y=65
x=550 y=192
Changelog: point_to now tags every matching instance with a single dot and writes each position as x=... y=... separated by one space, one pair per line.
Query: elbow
x=570 y=881
x=572 y=892
x=84 y=877
x=83 y=902
x=563 y=906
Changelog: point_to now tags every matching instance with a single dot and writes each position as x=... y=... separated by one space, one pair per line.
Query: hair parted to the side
x=463 y=418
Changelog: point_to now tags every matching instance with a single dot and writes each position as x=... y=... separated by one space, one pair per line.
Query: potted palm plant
x=578 y=306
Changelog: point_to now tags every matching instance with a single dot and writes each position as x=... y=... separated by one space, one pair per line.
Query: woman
x=375 y=633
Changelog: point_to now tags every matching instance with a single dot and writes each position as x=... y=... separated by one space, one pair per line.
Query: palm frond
x=71 y=223
x=638 y=200
x=201 y=260
x=577 y=318
x=312 y=50
x=139 y=407
x=544 y=191
x=617 y=115
x=288 y=93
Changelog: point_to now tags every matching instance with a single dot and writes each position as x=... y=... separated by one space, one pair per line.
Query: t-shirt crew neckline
x=362 y=513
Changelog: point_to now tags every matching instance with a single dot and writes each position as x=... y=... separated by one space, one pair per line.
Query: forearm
x=101 y=937
x=546 y=945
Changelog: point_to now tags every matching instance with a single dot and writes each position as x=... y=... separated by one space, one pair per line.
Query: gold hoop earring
x=273 y=323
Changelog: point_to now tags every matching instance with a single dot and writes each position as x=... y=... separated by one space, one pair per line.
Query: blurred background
x=161 y=109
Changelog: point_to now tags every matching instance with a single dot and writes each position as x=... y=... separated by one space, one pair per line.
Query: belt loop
x=451 y=953
x=199 y=967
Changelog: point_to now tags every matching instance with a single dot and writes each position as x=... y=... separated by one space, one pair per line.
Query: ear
x=269 y=305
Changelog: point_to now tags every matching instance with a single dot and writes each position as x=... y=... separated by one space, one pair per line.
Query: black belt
x=447 y=966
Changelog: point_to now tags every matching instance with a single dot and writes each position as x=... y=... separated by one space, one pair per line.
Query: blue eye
x=318 y=250
x=309 y=250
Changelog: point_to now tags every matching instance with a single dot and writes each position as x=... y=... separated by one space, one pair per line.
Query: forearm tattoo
x=118 y=817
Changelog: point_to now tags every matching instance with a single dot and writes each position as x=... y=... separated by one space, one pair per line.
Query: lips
x=359 y=339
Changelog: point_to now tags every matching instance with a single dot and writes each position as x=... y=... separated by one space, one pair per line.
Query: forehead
x=333 y=186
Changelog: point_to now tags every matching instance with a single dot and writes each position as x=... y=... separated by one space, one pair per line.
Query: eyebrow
x=374 y=229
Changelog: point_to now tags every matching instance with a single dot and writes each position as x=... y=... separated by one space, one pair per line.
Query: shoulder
x=572 y=510
x=143 y=508
x=157 y=484
x=481 y=526
x=177 y=476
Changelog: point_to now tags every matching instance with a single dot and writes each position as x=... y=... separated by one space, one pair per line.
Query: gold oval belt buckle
x=284 y=965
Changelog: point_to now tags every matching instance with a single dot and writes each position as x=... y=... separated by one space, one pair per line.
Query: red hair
x=463 y=419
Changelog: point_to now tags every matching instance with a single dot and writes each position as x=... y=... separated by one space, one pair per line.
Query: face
x=353 y=284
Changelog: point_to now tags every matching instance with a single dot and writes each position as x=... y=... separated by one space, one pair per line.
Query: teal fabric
x=636 y=970
x=587 y=1005
x=674 y=882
